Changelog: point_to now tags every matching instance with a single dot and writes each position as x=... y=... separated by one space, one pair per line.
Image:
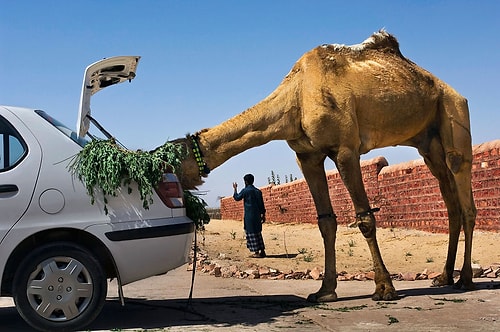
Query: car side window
x=12 y=147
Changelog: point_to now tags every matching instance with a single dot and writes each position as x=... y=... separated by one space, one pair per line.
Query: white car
x=57 y=250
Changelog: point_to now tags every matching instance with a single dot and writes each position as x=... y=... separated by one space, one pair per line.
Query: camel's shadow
x=447 y=290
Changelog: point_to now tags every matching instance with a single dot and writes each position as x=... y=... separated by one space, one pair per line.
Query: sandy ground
x=298 y=247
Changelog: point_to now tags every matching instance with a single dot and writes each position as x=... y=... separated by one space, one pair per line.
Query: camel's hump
x=381 y=40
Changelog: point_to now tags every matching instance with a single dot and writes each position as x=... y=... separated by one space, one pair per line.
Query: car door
x=20 y=158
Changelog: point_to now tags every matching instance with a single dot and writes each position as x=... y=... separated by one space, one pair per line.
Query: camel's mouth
x=189 y=182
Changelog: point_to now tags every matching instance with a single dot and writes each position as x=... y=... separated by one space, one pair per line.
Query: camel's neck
x=274 y=118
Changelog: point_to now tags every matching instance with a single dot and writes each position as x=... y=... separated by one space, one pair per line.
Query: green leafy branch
x=104 y=165
x=196 y=209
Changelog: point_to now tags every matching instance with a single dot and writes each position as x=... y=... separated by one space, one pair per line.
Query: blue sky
x=206 y=61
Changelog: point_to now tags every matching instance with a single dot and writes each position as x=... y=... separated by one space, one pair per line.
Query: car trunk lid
x=100 y=75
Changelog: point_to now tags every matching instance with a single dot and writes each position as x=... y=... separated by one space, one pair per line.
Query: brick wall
x=407 y=194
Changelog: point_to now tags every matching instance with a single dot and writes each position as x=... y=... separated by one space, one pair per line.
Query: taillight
x=170 y=191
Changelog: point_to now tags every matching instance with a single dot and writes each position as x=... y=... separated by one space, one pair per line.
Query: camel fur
x=339 y=102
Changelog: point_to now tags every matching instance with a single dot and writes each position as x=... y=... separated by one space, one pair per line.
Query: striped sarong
x=255 y=242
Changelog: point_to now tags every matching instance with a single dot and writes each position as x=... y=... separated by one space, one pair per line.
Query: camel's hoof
x=464 y=285
x=322 y=297
x=386 y=295
x=442 y=281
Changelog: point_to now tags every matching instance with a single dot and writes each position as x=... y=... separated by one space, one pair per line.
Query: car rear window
x=62 y=128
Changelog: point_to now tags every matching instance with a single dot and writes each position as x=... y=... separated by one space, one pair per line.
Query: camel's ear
x=201 y=131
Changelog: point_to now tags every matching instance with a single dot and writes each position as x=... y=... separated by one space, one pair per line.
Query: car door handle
x=8 y=188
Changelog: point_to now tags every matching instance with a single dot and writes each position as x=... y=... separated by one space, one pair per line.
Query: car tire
x=59 y=287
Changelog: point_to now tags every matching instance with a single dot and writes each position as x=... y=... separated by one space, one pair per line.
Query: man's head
x=248 y=179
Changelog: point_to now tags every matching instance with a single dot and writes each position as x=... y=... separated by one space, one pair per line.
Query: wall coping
x=486 y=146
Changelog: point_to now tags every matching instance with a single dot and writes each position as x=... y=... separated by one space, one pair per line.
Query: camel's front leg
x=312 y=166
x=328 y=227
x=347 y=162
x=384 y=290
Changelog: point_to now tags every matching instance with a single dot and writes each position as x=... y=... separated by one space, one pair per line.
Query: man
x=254 y=215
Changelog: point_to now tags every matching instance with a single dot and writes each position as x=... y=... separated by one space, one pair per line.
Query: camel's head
x=191 y=174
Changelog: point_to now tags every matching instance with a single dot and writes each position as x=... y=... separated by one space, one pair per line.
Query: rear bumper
x=151 y=232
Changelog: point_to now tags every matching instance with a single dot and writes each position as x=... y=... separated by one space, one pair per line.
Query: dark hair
x=248 y=179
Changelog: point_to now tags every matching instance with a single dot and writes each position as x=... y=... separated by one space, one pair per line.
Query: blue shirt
x=253 y=204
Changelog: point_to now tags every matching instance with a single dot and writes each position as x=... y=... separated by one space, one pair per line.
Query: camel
x=340 y=102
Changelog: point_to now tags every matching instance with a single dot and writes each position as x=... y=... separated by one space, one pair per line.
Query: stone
x=477 y=270
x=409 y=276
x=252 y=273
x=423 y=275
x=360 y=277
x=487 y=271
x=234 y=269
x=226 y=272
x=370 y=275
x=345 y=277
x=316 y=273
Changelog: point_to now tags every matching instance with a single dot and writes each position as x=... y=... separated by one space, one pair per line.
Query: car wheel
x=59 y=287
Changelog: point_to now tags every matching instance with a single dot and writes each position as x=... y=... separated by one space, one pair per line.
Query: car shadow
x=141 y=313
x=220 y=311
x=11 y=321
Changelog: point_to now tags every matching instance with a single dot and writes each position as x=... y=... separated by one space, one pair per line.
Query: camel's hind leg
x=449 y=157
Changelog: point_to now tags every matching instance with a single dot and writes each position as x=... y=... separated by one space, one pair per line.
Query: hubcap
x=60 y=288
